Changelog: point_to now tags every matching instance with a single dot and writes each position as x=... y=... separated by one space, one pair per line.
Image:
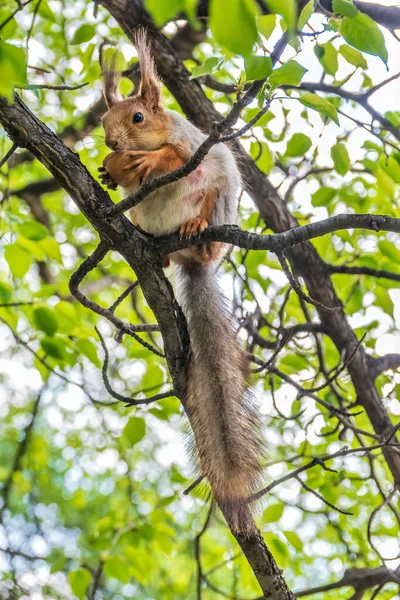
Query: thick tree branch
x=384 y=363
x=278 y=242
x=359 y=579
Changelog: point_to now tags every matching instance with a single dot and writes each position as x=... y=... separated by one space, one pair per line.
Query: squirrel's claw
x=192 y=227
x=106 y=179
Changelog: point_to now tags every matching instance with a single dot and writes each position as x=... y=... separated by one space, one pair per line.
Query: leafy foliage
x=92 y=490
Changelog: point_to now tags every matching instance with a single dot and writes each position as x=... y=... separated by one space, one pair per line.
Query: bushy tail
x=221 y=412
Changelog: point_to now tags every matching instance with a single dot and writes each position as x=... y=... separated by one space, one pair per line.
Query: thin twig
x=122 y=297
x=88 y=265
x=10 y=17
x=43 y=361
x=340 y=370
x=11 y=151
x=363 y=271
x=320 y=497
x=287 y=335
x=297 y=288
x=48 y=86
x=193 y=485
x=345 y=451
x=127 y=399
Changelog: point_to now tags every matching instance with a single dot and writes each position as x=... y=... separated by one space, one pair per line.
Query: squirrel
x=148 y=140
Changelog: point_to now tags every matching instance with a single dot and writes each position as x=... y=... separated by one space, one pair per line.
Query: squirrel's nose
x=112 y=144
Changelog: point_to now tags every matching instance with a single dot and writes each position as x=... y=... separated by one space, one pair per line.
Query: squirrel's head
x=138 y=122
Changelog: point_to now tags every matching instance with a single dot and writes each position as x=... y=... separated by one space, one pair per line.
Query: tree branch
x=384 y=363
x=361 y=270
x=359 y=579
x=278 y=242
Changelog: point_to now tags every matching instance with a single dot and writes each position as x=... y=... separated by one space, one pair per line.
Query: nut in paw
x=143 y=163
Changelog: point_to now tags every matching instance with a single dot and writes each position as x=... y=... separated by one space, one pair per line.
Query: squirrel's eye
x=138 y=117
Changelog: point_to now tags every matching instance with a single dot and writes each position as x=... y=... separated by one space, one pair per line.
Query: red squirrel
x=148 y=140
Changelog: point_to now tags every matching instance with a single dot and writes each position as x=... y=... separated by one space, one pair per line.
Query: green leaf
x=134 y=430
x=384 y=300
x=353 y=56
x=12 y=69
x=341 y=158
x=33 y=230
x=5 y=292
x=291 y=73
x=250 y=113
x=294 y=539
x=211 y=65
x=273 y=513
x=266 y=25
x=18 y=259
x=391 y=167
x=58 y=563
x=45 y=319
x=364 y=34
x=163 y=11
x=234 y=26
x=305 y=14
x=258 y=67
x=79 y=581
x=298 y=145
x=45 y=11
x=51 y=247
x=54 y=347
x=89 y=349
x=323 y=196
x=8 y=30
x=385 y=183
x=286 y=8
x=117 y=568
x=389 y=250
x=83 y=34
x=344 y=7
x=320 y=104
x=190 y=6
x=328 y=57
x=265 y=160
x=66 y=316
x=294 y=363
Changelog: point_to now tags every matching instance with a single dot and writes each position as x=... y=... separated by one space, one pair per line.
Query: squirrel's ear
x=111 y=81
x=150 y=86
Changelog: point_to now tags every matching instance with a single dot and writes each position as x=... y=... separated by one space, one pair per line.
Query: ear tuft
x=150 y=85
x=111 y=80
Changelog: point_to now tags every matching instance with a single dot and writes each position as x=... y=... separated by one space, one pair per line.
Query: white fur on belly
x=162 y=213
x=165 y=210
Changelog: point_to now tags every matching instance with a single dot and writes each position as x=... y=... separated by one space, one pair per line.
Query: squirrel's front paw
x=143 y=163
x=106 y=179
x=192 y=227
